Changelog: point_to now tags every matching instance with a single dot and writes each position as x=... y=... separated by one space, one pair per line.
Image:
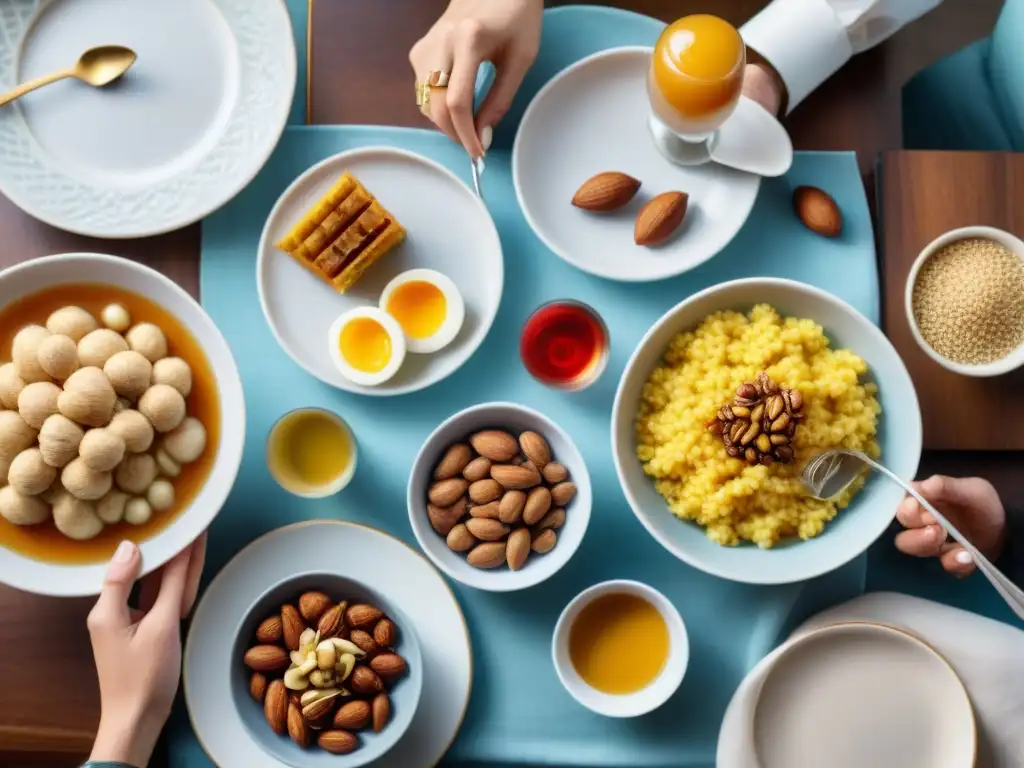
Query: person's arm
x=807 y=41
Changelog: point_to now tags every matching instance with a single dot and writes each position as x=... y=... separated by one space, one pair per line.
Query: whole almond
x=353 y=716
x=490 y=554
x=443 y=519
x=818 y=211
x=553 y=519
x=269 y=631
x=563 y=493
x=487 y=530
x=381 y=707
x=275 y=707
x=515 y=477
x=258 y=687
x=266 y=658
x=297 y=729
x=459 y=539
x=483 y=491
x=518 y=548
x=488 y=511
x=444 y=493
x=544 y=541
x=337 y=742
x=453 y=462
x=606 y=191
x=332 y=622
x=292 y=625
x=312 y=606
x=364 y=680
x=364 y=640
x=389 y=666
x=477 y=469
x=385 y=634
x=320 y=709
x=495 y=445
x=554 y=472
x=536 y=449
x=660 y=218
x=538 y=502
x=510 y=508
x=363 y=615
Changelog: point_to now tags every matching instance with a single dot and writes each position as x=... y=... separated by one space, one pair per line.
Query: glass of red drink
x=564 y=344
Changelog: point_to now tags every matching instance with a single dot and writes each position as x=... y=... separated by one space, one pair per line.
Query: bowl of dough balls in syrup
x=122 y=418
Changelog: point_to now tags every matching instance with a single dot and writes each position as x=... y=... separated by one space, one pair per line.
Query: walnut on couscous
x=700 y=371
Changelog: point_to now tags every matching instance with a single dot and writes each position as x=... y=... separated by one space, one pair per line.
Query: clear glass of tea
x=564 y=344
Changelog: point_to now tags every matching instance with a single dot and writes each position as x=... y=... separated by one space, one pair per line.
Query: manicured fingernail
x=486 y=137
x=964 y=557
x=124 y=552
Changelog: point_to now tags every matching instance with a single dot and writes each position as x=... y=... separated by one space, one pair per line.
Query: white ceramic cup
x=651 y=696
x=997 y=368
x=311 y=492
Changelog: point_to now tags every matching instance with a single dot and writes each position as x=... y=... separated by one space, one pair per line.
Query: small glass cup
x=564 y=344
x=290 y=443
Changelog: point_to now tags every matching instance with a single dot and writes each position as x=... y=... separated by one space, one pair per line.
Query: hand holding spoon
x=97 y=66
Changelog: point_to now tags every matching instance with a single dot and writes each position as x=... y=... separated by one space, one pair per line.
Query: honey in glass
x=696 y=75
x=564 y=344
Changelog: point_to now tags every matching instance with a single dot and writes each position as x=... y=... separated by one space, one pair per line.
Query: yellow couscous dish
x=700 y=373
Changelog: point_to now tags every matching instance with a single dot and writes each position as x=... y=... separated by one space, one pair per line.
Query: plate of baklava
x=379 y=271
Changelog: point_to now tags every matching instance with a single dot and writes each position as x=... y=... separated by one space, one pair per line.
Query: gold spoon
x=97 y=66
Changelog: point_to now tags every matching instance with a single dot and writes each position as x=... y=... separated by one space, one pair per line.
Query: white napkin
x=987 y=655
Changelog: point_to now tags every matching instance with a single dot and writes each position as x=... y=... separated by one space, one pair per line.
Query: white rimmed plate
x=592 y=117
x=185 y=129
x=449 y=230
x=355 y=552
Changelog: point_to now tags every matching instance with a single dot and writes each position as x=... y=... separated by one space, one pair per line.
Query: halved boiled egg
x=367 y=345
x=428 y=307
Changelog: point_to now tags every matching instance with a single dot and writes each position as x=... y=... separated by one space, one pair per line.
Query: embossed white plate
x=185 y=129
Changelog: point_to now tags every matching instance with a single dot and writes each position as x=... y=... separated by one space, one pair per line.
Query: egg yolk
x=698 y=64
x=365 y=345
x=419 y=307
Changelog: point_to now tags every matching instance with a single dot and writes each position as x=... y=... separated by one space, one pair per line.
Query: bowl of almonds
x=499 y=497
x=326 y=672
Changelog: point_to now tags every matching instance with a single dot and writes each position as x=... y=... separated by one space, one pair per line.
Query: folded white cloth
x=987 y=655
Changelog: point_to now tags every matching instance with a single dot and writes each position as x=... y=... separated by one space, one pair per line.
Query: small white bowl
x=1013 y=360
x=331 y=488
x=513 y=418
x=646 y=699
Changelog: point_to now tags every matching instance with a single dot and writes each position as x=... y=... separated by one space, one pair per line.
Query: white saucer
x=592 y=117
x=449 y=230
x=185 y=129
x=356 y=552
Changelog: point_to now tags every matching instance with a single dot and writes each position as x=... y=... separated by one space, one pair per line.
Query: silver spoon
x=830 y=473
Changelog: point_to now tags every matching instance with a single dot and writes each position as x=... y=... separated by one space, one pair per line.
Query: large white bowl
x=39 y=274
x=853 y=529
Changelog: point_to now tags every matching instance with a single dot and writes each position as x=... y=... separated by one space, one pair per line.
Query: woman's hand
x=971 y=504
x=138 y=651
x=470 y=32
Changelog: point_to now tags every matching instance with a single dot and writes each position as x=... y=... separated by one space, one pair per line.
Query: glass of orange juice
x=311 y=452
x=695 y=77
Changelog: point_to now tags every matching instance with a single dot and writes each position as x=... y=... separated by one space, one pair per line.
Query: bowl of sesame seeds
x=965 y=301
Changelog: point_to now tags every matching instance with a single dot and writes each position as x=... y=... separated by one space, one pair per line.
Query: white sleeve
x=808 y=40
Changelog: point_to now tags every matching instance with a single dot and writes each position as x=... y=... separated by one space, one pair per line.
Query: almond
x=364 y=680
x=536 y=449
x=538 y=502
x=459 y=539
x=483 y=491
x=554 y=472
x=444 y=493
x=385 y=634
x=487 y=530
x=365 y=642
x=518 y=548
x=818 y=211
x=453 y=462
x=381 y=711
x=553 y=519
x=477 y=469
x=258 y=687
x=510 y=508
x=266 y=658
x=563 y=493
x=362 y=616
x=495 y=445
x=297 y=729
x=292 y=626
x=313 y=605
x=443 y=519
x=275 y=707
x=353 y=716
x=319 y=709
x=515 y=477
x=487 y=555
x=269 y=631
x=605 y=191
x=544 y=541
x=660 y=218
x=337 y=742
x=332 y=622
x=488 y=511
x=389 y=666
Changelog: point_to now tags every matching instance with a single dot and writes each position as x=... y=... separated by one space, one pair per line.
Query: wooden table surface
x=52 y=724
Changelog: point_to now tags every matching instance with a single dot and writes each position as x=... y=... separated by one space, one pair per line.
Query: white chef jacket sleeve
x=806 y=41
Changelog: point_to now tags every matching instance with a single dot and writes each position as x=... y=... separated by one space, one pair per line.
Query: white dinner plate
x=592 y=117
x=853 y=695
x=449 y=230
x=182 y=132
x=356 y=552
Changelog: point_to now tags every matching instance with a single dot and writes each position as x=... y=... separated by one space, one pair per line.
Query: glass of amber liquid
x=695 y=78
x=564 y=344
